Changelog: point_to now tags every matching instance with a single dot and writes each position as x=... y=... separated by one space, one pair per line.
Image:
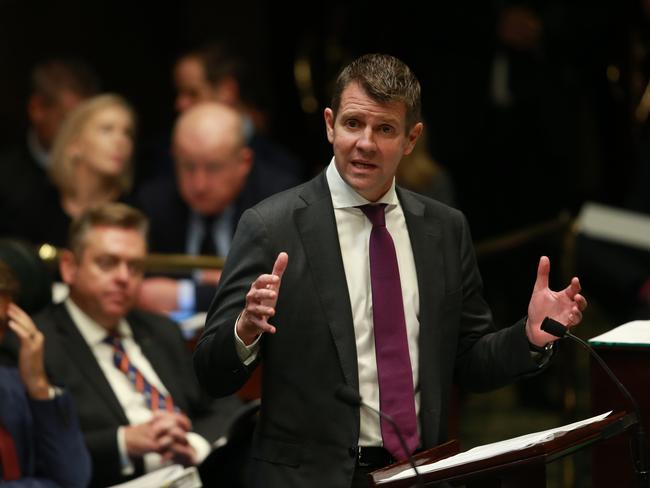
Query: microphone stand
x=351 y=397
x=409 y=457
x=638 y=444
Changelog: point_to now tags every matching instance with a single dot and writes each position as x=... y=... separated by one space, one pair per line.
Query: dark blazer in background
x=49 y=444
x=169 y=214
x=305 y=435
x=26 y=197
x=71 y=363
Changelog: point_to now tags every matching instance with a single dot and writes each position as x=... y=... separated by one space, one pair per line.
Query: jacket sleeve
x=486 y=358
x=61 y=453
x=216 y=362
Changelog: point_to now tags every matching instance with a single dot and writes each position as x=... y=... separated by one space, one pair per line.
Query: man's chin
x=117 y=312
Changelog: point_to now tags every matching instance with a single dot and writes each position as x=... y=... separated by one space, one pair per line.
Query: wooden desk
x=612 y=459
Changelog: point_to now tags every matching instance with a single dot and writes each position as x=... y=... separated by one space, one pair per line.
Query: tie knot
x=113 y=338
x=375 y=213
x=208 y=221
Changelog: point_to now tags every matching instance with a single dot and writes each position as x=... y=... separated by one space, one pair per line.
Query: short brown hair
x=220 y=62
x=385 y=79
x=110 y=215
x=52 y=77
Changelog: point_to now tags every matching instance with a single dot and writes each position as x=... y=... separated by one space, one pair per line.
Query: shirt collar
x=92 y=332
x=344 y=196
x=37 y=151
x=198 y=219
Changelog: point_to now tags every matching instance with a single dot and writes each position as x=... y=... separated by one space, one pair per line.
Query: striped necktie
x=154 y=398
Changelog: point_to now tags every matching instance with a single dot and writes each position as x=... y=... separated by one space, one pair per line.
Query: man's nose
x=123 y=272
x=366 y=141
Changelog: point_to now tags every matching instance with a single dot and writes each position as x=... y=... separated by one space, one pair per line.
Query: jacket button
x=353 y=451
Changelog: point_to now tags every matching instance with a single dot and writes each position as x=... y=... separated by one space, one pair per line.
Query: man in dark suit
x=58 y=86
x=317 y=321
x=217 y=178
x=129 y=372
x=41 y=444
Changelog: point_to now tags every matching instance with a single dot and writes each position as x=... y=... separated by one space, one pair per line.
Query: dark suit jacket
x=47 y=436
x=71 y=363
x=305 y=435
x=169 y=214
x=30 y=204
x=28 y=200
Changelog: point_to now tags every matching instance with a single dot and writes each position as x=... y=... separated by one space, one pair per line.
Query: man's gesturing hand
x=260 y=302
x=564 y=306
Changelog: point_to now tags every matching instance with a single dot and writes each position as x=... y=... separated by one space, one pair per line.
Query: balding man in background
x=217 y=178
x=213 y=72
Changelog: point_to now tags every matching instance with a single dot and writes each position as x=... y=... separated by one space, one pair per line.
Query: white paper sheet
x=174 y=476
x=635 y=332
x=496 y=448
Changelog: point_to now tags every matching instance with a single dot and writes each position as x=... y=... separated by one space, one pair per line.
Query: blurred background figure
x=57 y=87
x=217 y=178
x=419 y=172
x=41 y=445
x=129 y=372
x=212 y=72
x=617 y=273
x=91 y=163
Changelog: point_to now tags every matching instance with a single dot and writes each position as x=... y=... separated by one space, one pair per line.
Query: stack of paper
x=490 y=450
x=636 y=332
x=174 y=476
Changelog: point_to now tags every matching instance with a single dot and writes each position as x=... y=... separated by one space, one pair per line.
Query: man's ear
x=329 y=124
x=68 y=267
x=246 y=156
x=227 y=91
x=413 y=136
x=36 y=109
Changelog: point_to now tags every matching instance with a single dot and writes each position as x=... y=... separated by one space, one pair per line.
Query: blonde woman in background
x=91 y=162
x=91 y=156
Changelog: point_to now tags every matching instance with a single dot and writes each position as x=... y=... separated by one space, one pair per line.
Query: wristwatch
x=542 y=355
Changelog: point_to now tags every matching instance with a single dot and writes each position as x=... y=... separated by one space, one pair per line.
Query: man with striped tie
x=129 y=372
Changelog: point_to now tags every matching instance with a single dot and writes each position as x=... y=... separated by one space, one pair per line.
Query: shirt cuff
x=127 y=467
x=201 y=446
x=54 y=392
x=247 y=354
x=153 y=461
x=186 y=295
x=542 y=355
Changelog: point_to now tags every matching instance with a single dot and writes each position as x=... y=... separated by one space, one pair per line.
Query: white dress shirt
x=354 y=229
x=133 y=402
x=354 y=237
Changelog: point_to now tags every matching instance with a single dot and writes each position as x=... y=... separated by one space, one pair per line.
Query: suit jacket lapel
x=424 y=233
x=317 y=228
x=82 y=357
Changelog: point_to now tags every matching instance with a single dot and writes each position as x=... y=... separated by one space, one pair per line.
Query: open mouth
x=363 y=165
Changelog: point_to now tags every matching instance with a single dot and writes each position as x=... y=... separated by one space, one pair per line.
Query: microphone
x=349 y=396
x=639 y=445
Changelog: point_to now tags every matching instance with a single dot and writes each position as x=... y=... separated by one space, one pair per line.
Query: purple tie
x=396 y=396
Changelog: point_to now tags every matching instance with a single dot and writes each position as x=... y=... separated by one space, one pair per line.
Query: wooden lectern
x=521 y=468
x=612 y=460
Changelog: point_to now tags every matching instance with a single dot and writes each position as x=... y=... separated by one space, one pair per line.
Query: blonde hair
x=62 y=160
